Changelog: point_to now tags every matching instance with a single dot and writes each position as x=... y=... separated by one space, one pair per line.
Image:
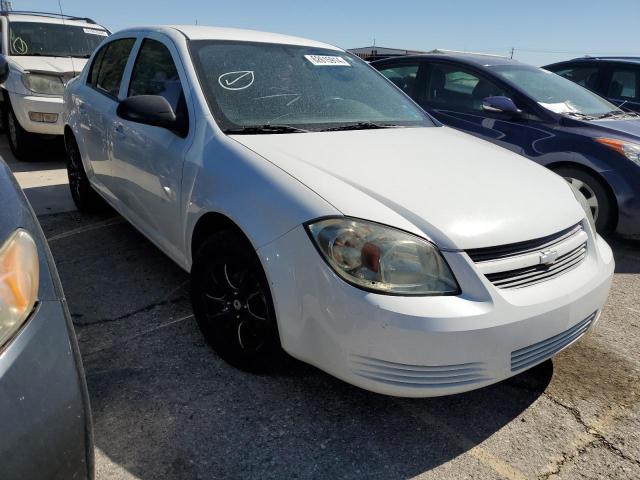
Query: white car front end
x=35 y=88
x=44 y=52
x=533 y=276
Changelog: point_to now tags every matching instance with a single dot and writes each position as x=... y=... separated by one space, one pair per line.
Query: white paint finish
x=452 y=188
x=460 y=191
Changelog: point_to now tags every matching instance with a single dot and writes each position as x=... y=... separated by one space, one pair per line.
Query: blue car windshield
x=251 y=84
x=554 y=92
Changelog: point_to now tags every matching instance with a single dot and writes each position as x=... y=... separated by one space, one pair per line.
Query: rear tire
x=602 y=208
x=232 y=303
x=22 y=143
x=83 y=194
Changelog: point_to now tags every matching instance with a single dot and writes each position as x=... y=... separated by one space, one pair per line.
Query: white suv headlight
x=19 y=279
x=382 y=259
x=44 y=84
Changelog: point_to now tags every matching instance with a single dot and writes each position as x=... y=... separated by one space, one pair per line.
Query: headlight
x=382 y=259
x=585 y=206
x=45 y=84
x=19 y=277
x=628 y=149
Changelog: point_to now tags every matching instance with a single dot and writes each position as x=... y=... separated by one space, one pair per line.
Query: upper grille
x=418 y=376
x=527 y=263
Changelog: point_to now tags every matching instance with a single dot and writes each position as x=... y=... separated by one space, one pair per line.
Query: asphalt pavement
x=165 y=407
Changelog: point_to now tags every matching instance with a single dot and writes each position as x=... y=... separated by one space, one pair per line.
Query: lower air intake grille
x=418 y=376
x=536 y=353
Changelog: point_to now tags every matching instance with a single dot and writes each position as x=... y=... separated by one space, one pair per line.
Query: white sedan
x=320 y=211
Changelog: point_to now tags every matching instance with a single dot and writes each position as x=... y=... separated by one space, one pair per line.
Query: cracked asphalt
x=165 y=406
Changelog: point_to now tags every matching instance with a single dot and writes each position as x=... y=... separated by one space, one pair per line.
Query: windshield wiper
x=359 y=126
x=261 y=129
x=617 y=113
x=580 y=115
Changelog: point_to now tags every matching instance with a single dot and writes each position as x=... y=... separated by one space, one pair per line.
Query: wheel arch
x=610 y=193
x=208 y=224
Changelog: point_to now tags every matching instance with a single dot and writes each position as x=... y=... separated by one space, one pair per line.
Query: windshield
x=259 y=84
x=554 y=92
x=53 y=40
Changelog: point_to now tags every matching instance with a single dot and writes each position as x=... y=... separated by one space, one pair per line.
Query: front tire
x=22 y=143
x=232 y=303
x=594 y=191
x=83 y=194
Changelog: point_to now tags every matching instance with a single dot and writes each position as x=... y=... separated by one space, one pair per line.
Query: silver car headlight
x=19 y=279
x=585 y=206
x=382 y=259
x=44 y=84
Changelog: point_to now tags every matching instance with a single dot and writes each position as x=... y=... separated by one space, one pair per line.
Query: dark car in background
x=45 y=420
x=540 y=115
x=615 y=78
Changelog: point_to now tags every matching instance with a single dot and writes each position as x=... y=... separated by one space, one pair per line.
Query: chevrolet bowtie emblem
x=548 y=257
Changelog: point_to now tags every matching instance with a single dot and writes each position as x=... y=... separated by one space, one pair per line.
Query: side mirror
x=152 y=110
x=500 y=105
x=4 y=69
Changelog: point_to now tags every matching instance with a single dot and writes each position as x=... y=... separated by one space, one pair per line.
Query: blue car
x=615 y=78
x=538 y=114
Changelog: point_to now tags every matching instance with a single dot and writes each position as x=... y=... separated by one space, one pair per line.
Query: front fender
x=264 y=201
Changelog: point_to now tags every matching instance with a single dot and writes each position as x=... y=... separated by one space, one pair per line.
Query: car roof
x=201 y=32
x=473 y=59
x=56 y=18
x=632 y=60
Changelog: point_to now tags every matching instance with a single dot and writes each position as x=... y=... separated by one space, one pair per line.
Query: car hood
x=61 y=65
x=629 y=126
x=457 y=190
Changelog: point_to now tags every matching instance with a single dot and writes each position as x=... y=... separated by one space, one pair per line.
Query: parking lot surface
x=164 y=406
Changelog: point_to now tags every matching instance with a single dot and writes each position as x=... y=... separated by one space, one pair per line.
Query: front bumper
x=428 y=346
x=43 y=409
x=23 y=104
x=626 y=187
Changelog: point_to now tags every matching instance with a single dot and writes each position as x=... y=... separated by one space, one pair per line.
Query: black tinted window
x=95 y=67
x=624 y=84
x=452 y=87
x=583 y=75
x=403 y=76
x=111 y=65
x=155 y=73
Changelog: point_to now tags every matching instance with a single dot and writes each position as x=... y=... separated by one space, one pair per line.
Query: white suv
x=41 y=52
x=318 y=208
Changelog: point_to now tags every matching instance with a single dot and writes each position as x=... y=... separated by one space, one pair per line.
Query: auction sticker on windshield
x=327 y=61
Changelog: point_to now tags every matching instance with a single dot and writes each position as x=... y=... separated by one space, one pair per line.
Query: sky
x=540 y=32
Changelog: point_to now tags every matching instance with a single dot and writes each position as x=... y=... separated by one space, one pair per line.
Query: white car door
x=152 y=157
x=97 y=109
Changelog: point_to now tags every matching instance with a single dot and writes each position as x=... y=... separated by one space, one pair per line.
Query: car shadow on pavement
x=165 y=406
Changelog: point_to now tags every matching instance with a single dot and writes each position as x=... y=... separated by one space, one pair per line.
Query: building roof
x=477 y=59
x=382 y=51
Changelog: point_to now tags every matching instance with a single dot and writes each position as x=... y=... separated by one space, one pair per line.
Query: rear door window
x=584 y=75
x=108 y=68
x=624 y=84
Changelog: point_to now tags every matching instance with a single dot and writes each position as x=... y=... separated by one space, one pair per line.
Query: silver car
x=45 y=420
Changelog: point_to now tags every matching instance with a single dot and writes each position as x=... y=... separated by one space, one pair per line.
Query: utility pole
x=512 y=50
